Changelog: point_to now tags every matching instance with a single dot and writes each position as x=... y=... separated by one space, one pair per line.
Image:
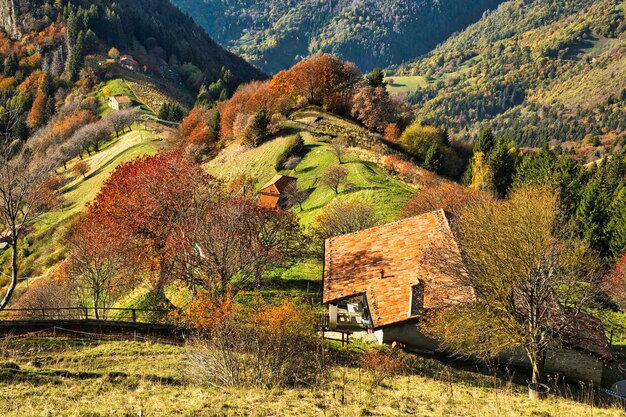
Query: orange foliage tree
x=449 y=196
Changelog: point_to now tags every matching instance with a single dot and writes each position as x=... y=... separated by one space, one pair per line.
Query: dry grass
x=77 y=378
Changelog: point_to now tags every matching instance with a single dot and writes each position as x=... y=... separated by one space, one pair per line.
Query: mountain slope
x=154 y=25
x=536 y=70
x=275 y=34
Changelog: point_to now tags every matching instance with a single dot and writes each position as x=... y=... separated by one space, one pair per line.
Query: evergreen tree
x=502 y=161
x=215 y=125
x=616 y=227
x=47 y=85
x=77 y=57
x=592 y=216
x=433 y=160
x=376 y=78
x=486 y=141
x=11 y=65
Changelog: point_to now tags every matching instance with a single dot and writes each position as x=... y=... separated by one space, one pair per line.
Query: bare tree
x=292 y=162
x=334 y=176
x=233 y=242
x=530 y=280
x=293 y=195
x=339 y=147
x=120 y=120
x=20 y=203
x=97 y=264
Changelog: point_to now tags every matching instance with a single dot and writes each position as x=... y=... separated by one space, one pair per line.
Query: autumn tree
x=293 y=195
x=530 y=278
x=333 y=177
x=200 y=127
x=339 y=147
x=373 y=107
x=145 y=200
x=122 y=119
x=81 y=168
x=614 y=283
x=97 y=263
x=445 y=195
x=232 y=242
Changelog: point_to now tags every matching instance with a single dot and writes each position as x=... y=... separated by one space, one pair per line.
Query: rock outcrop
x=8 y=17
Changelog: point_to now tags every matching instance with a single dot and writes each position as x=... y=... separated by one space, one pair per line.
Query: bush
x=260 y=345
x=293 y=148
x=384 y=364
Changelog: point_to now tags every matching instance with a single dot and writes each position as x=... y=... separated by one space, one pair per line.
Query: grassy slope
x=88 y=378
x=43 y=246
x=373 y=184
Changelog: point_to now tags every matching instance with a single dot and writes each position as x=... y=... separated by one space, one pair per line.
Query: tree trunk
x=537 y=360
x=96 y=300
x=14 y=271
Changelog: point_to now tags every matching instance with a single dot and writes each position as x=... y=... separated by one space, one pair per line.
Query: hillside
x=366 y=182
x=156 y=32
x=91 y=378
x=373 y=33
x=537 y=71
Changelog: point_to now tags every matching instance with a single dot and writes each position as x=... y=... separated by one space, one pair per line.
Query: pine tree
x=376 y=78
x=47 y=85
x=616 y=227
x=11 y=65
x=75 y=62
x=433 y=160
x=502 y=161
x=486 y=141
x=592 y=216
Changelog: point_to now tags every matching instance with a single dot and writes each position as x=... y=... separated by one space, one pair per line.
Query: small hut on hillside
x=271 y=195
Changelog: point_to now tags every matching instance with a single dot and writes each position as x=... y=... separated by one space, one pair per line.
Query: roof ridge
x=393 y=223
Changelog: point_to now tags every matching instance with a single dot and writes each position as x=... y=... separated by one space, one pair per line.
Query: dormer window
x=417 y=299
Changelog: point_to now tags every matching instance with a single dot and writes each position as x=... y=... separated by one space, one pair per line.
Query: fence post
x=43 y=313
x=86 y=314
x=134 y=315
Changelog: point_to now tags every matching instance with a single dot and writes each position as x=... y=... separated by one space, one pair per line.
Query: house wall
x=113 y=104
x=408 y=333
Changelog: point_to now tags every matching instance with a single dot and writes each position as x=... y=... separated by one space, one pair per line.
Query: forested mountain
x=536 y=70
x=276 y=34
x=49 y=50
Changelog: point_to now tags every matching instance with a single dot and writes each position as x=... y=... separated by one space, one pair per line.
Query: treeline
x=593 y=198
x=505 y=71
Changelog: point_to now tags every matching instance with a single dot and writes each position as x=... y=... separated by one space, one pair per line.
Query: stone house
x=120 y=102
x=377 y=284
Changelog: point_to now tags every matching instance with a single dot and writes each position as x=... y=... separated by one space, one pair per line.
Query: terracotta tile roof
x=122 y=99
x=277 y=184
x=587 y=333
x=385 y=261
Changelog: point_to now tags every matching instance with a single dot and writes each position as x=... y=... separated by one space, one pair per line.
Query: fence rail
x=134 y=315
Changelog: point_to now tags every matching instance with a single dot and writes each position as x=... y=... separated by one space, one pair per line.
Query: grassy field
x=81 y=378
x=405 y=84
x=366 y=181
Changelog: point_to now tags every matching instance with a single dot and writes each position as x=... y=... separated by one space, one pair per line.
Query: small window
x=417 y=299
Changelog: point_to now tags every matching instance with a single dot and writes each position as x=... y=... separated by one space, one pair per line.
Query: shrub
x=384 y=364
x=293 y=148
x=261 y=345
